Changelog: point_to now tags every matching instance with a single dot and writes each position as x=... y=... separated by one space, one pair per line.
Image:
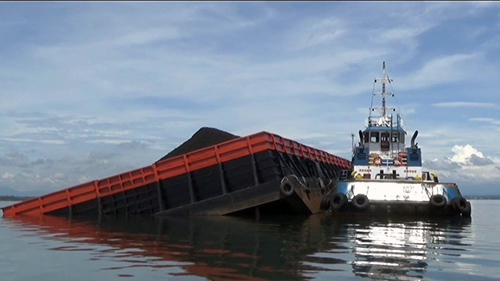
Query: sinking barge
x=260 y=173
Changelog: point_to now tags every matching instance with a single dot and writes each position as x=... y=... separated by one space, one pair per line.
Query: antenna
x=384 y=119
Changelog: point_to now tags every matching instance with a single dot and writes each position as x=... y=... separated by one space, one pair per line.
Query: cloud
x=15 y=158
x=101 y=89
x=148 y=36
x=7 y=176
x=464 y=154
x=26 y=175
x=133 y=145
x=466 y=166
x=480 y=161
x=442 y=70
x=441 y=164
x=464 y=104
x=323 y=31
x=491 y=121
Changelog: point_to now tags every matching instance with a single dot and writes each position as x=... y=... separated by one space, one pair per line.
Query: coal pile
x=204 y=137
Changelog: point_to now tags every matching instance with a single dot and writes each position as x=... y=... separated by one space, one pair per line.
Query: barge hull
x=221 y=179
x=265 y=198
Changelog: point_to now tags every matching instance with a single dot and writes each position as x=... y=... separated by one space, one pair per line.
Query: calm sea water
x=318 y=247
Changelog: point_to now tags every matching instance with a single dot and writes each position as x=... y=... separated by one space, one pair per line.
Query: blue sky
x=89 y=90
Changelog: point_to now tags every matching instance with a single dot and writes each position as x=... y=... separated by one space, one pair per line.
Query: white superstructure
x=381 y=152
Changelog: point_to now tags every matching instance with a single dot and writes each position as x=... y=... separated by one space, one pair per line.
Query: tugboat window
x=384 y=138
x=374 y=137
x=395 y=137
x=366 y=137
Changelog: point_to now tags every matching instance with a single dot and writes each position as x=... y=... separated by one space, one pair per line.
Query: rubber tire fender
x=286 y=188
x=461 y=205
x=468 y=211
x=438 y=200
x=325 y=203
x=360 y=201
x=338 y=201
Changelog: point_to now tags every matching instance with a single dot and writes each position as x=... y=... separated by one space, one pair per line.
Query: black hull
x=403 y=209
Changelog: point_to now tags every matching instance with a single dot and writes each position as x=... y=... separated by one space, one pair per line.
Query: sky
x=92 y=89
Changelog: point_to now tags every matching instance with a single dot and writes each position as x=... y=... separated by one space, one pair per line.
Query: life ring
x=338 y=200
x=360 y=201
x=286 y=187
x=461 y=205
x=438 y=200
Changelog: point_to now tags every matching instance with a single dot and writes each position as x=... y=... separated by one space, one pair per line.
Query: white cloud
x=464 y=153
x=115 y=87
x=322 y=31
x=476 y=160
x=7 y=176
x=443 y=70
x=491 y=121
x=54 y=142
x=464 y=104
x=467 y=165
x=148 y=36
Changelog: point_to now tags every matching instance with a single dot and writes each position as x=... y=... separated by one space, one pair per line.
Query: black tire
x=325 y=203
x=286 y=188
x=438 y=200
x=360 y=201
x=468 y=211
x=337 y=201
x=460 y=204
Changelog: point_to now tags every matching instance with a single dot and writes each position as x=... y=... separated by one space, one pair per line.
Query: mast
x=384 y=75
x=384 y=119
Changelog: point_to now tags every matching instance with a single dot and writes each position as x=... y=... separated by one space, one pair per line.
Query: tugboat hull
x=383 y=197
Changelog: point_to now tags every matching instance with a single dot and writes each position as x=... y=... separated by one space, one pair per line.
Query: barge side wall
x=186 y=179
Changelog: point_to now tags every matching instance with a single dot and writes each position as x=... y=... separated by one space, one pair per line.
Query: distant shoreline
x=492 y=197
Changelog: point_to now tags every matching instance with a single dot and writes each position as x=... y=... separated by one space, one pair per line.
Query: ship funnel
x=413 y=145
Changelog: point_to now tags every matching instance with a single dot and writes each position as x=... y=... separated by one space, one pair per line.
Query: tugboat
x=387 y=176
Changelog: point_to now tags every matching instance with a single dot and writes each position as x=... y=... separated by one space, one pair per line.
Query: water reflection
x=282 y=248
x=400 y=250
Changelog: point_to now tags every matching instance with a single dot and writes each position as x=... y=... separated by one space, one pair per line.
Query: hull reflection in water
x=227 y=248
x=401 y=250
x=217 y=248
